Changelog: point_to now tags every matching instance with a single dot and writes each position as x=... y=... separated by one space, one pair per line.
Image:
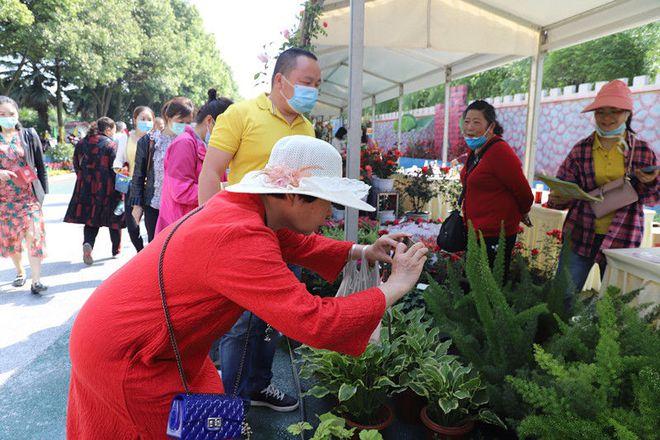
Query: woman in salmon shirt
x=497 y=194
x=183 y=163
x=229 y=257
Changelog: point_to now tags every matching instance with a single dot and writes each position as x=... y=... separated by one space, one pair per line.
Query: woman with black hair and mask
x=183 y=163
x=496 y=192
x=21 y=217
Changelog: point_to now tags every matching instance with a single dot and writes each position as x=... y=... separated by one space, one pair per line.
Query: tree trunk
x=58 y=99
x=42 y=113
x=17 y=75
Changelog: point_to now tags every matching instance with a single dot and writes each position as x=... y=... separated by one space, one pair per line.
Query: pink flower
x=286 y=34
x=263 y=57
x=282 y=176
x=396 y=222
x=325 y=24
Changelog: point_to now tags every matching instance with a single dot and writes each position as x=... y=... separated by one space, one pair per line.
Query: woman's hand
x=6 y=175
x=407 y=265
x=556 y=199
x=646 y=177
x=383 y=247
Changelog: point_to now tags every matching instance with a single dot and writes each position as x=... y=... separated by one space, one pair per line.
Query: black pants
x=90 y=233
x=150 y=219
x=491 y=249
x=132 y=226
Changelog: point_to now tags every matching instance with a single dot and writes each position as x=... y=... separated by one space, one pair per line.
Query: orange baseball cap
x=613 y=94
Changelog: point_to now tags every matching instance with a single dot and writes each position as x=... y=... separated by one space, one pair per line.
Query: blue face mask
x=145 y=126
x=476 y=142
x=178 y=127
x=304 y=98
x=612 y=133
x=208 y=137
x=8 y=122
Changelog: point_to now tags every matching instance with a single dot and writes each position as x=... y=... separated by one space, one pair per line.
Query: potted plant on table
x=419 y=188
x=456 y=398
x=360 y=385
x=378 y=166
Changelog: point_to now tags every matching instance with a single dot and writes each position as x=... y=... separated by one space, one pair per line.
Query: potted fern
x=455 y=395
x=360 y=385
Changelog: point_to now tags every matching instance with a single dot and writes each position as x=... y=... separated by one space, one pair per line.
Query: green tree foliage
x=104 y=57
x=623 y=55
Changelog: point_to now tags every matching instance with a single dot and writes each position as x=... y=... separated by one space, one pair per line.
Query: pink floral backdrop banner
x=561 y=125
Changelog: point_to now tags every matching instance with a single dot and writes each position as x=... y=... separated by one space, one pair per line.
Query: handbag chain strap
x=168 y=318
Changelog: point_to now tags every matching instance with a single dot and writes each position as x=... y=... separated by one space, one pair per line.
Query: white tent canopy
x=410 y=45
x=376 y=50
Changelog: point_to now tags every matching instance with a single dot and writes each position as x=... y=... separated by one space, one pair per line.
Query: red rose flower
x=425 y=169
x=382 y=232
x=454 y=257
x=520 y=230
x=396 y=222
x=535 y=252
x=325 y=24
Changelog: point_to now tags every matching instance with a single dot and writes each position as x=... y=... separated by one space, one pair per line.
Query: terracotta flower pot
x=439 y=432
x=408 y=407
x=385 y=418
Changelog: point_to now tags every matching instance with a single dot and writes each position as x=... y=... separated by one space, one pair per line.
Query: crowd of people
x=231 y=272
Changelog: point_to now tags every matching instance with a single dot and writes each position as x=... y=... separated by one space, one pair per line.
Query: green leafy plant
x=454 y=393
x=488 y=326
x=360 y=384
x=596 y=388
x=61 y=152
x=417 y=339
x=332 y=427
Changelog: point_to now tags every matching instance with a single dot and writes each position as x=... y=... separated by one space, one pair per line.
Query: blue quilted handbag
x=201 y=416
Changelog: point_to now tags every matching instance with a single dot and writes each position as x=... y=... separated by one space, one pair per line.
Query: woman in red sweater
x=497 y=194
x=229 y=257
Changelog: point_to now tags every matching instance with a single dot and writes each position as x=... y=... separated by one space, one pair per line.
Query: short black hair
x=288 y=60
x=489 y=113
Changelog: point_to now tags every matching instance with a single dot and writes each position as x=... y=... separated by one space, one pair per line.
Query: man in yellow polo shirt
x=242 y=139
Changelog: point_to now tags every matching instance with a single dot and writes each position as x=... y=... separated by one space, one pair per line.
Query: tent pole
x=400 y=117
x=373 y=115
x=356 y=62
x=445 y=130
x=534 y=109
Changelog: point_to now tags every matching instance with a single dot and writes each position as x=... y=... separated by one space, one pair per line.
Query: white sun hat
x=309 y=166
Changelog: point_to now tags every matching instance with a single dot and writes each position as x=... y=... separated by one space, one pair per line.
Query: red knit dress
x=222 y=261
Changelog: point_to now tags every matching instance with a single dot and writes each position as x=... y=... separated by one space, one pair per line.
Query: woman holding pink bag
x=183 y=163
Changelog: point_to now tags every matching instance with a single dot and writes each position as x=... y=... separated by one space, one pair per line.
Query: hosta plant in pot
x=359 y=385
x=332 y=427
x=456 y=398
x=418 y=338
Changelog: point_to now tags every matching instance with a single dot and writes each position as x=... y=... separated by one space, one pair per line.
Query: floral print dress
x=20 y=212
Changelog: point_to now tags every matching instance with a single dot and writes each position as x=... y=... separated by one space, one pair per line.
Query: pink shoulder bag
x=617 y=193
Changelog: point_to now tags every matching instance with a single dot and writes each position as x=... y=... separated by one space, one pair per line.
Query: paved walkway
x=34 y=359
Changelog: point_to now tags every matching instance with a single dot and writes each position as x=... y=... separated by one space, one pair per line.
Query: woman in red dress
x=227 y=258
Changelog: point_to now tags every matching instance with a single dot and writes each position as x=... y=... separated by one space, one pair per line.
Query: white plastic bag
x=359 y=275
